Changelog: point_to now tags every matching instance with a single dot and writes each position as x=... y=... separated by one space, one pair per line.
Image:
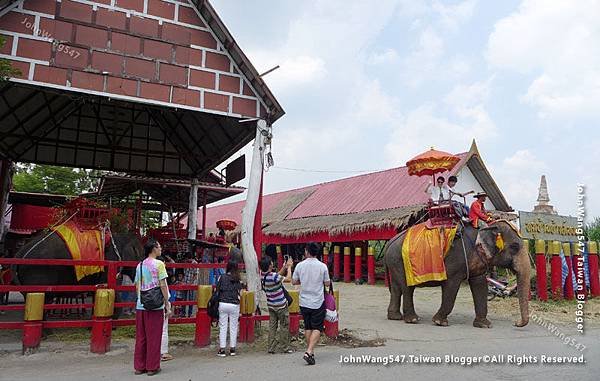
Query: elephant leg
x=449 y=291
x=408 y=307
x=395 y=300
x=479 y=290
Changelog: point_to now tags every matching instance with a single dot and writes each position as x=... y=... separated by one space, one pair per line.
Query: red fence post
x=555 y=270
x=579 y=273
x=111 y=275
x=32 y=328
x=247 y=307
x=347 y=271
x=336 y=263
x=370 y=266
x=202 y=336
x=326 y=256
x=294 y=310
x=104 y=306
x=569 y=295
x=357 y=264
x=593 y=265
x=540 y=269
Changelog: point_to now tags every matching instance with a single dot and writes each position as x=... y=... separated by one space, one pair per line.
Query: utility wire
x=326 y=171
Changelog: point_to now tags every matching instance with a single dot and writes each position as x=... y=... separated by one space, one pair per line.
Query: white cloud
x=387 y=56
x=453 y=15
x=559 y=43
x=519 y=178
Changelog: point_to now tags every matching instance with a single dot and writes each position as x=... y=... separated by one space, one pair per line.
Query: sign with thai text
x=549 y=227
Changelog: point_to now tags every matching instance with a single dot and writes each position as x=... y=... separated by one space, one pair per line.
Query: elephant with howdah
x=472 y=262
x=128 y=246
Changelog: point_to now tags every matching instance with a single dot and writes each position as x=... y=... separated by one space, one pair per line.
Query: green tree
x=54 y=180
x=6 y=70
x=592 y=230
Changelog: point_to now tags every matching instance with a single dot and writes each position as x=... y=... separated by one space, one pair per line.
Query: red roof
x=389 y=189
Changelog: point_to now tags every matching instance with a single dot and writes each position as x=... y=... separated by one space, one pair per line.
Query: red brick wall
x=156 y=50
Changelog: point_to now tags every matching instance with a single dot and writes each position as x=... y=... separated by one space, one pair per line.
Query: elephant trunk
x=523 y=269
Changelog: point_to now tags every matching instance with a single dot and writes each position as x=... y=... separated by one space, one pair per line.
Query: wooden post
x=357 y=265
x=370 y=266
x=193 y=210
x=336 y=263
x=204 y=215
x=5 y=184
x=202 y=336
x=569 y=280
x=347 y=271
x=593 y=265
x=555 y=270
x=32 y=328
x=540 y=269
x=250 y=209
x=104 y=305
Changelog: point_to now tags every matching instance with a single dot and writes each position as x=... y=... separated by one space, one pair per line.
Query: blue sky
x=367 y=85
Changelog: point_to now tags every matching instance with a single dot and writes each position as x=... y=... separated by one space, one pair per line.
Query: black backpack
x=212 y=309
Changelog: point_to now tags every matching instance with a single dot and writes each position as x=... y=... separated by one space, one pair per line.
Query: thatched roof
x=346 y=223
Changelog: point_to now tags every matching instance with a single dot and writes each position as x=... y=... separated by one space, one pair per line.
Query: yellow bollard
x=32 y=327
x=34 y=306
x=295 y=306
x=104 y=303
x=247 y=304
x=540 y=246
x=566 y=246
x=336 y=295
x=204 y=295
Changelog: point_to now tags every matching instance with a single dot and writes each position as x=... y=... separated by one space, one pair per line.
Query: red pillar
x=594 y=276
x=540 y=268
x=357 y=264
x=555 y=270
x=279 y=257
x=101 y=335
x=347 y=272
x=336 y=263
x=326 y=256
x=579 y=269
x=202 y=334
x=370 y=266
x=569 y=295
x=294 y=323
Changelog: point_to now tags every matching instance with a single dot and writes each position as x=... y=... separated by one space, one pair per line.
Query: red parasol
x=431 y=162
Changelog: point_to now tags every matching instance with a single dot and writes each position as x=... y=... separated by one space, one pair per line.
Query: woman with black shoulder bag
x=152 y=308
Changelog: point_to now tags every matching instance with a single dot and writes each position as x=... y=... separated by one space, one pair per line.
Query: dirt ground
x=364 y=328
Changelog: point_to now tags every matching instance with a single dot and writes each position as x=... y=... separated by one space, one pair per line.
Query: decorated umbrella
x=431 y=162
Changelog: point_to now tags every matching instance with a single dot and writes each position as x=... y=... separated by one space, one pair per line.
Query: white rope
x=112 y=240
x=52 y=231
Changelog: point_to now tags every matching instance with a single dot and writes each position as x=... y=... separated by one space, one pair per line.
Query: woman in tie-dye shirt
x=150 y=273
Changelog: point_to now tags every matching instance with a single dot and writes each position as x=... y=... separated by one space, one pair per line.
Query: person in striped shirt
x=279 y=315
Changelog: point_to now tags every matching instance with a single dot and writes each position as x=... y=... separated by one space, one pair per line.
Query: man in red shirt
x=477 y=214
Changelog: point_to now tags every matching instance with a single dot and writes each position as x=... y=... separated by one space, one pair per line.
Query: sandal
x=166 y=357
x=309 y=358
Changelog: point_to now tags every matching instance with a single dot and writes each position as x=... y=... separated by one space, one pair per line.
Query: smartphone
x=285 y=258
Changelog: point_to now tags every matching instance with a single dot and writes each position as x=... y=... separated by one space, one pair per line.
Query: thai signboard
x=548 y=226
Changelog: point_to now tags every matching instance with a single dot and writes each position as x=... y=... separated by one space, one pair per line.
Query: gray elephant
x=480 y=253
x=53 y=247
